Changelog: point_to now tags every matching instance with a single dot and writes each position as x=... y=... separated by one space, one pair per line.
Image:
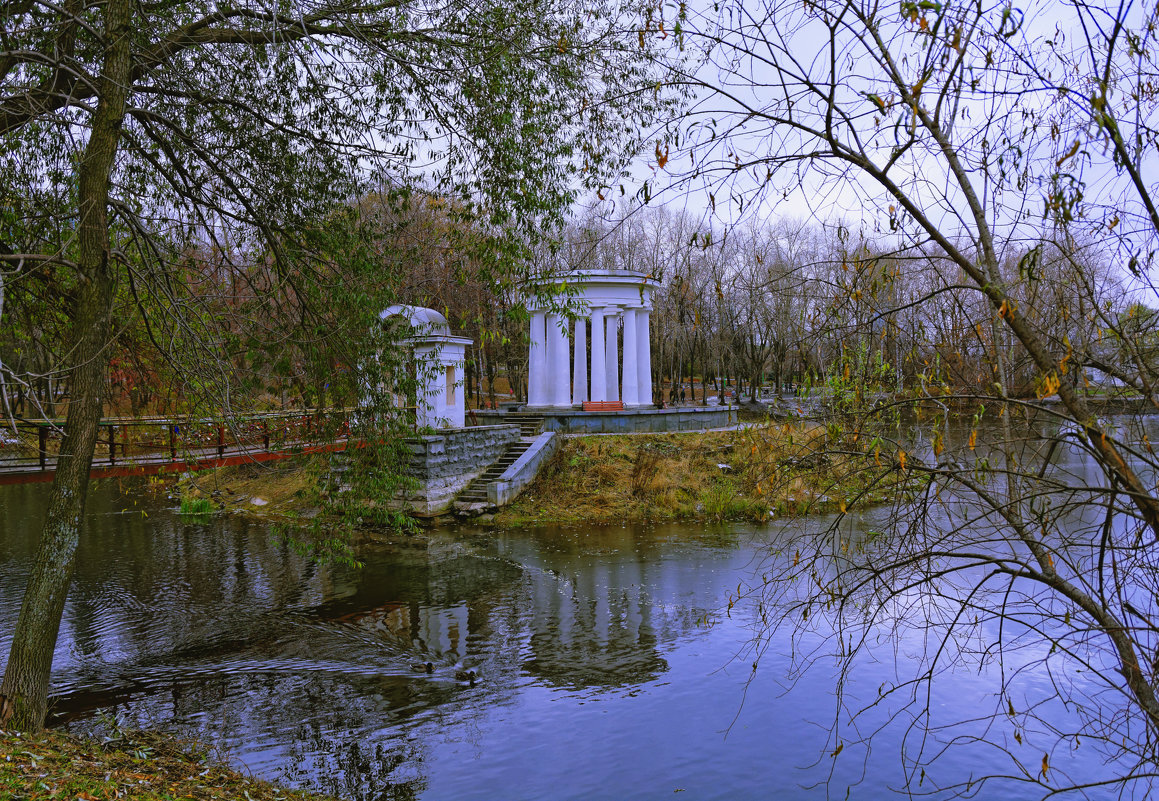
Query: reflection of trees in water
x=310 y=729
x=151 y=586
x=214 y=632
x=306 y=673
x=596 y=620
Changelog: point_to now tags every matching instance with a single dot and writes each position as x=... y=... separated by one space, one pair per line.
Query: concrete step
x=472 y=509
x=473 y=499
x=529 y=424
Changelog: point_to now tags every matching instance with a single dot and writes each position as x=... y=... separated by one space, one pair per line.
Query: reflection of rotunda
x=616 y=304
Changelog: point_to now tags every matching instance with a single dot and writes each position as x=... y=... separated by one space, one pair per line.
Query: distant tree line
x=778 y=304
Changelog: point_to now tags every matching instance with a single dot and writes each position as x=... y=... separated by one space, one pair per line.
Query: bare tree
x=944 y=129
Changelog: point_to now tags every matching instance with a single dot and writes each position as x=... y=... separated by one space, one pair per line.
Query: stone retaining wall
x=446 y=462
x=689 y=418
x=523 y=470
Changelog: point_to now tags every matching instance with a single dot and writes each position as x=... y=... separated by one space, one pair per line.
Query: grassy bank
x=718 y=475
x=277 y=489
x=142 y=766
x=765 y=468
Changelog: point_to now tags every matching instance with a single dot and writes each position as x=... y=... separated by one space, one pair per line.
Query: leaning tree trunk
x=24 y=691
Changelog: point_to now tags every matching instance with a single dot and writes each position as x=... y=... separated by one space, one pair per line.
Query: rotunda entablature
x=584 y=290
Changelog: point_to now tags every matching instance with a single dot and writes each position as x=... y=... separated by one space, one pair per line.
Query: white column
x=631 y=396
x=537 y=361
x=599 y=374
x=612 y=357
x=432 y=385
x=558 y=362
x=579 y=382
x=643 y=358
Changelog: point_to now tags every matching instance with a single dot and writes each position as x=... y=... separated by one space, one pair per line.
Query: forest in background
x=771 y=306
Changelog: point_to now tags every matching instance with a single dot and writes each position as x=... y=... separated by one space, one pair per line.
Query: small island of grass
x=749 y=474
x=746 y=474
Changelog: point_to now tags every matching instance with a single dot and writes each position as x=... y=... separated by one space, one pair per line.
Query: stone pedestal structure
x=616 y=304
x=440 y=366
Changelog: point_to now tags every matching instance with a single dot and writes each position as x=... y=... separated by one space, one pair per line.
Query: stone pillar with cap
x=630 y=388
x=579 y=381
x=612 y=356
x=643 y=358
x=537 y=361
x=599 y=373
x=558 y=362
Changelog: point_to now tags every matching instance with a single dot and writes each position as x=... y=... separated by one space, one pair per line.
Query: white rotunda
x=616 y=305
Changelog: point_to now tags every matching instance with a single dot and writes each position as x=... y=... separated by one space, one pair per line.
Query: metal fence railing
x=34 y=445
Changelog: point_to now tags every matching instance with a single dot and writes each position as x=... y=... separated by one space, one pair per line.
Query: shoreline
x=142 y=765
x=750 y=474
x=747 y=474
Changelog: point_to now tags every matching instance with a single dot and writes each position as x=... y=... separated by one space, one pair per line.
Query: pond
x=608 y=662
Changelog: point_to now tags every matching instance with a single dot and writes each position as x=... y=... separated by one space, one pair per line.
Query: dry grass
x=140 y=765
x=284 y=487
x=777 y=468
x=773 y=468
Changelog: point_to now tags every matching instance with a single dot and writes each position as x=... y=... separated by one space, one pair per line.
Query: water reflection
x=606 y=659
x=315 y=675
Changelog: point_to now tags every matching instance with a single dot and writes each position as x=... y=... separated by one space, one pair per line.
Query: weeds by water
x=196 y=507
x=753 y=474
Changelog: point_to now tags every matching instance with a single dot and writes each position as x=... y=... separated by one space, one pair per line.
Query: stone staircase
x=530 y=425
x=473 y=500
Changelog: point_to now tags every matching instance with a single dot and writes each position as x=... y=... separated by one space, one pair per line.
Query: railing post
x=112 y=443
x=221 y=442
x=42 y=445
x=172 y=443
x=266 y=435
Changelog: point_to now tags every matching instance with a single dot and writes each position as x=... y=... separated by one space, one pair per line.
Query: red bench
x=603 y=406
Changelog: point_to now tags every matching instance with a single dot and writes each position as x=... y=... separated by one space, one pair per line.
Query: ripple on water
x=605 y=674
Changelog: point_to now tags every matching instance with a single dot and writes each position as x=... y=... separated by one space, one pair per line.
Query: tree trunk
x=691 y=375
x=24 y=692
x=491 y=371
x=468 y=382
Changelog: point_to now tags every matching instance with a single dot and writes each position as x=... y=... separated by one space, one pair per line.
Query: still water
x=608 y=662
